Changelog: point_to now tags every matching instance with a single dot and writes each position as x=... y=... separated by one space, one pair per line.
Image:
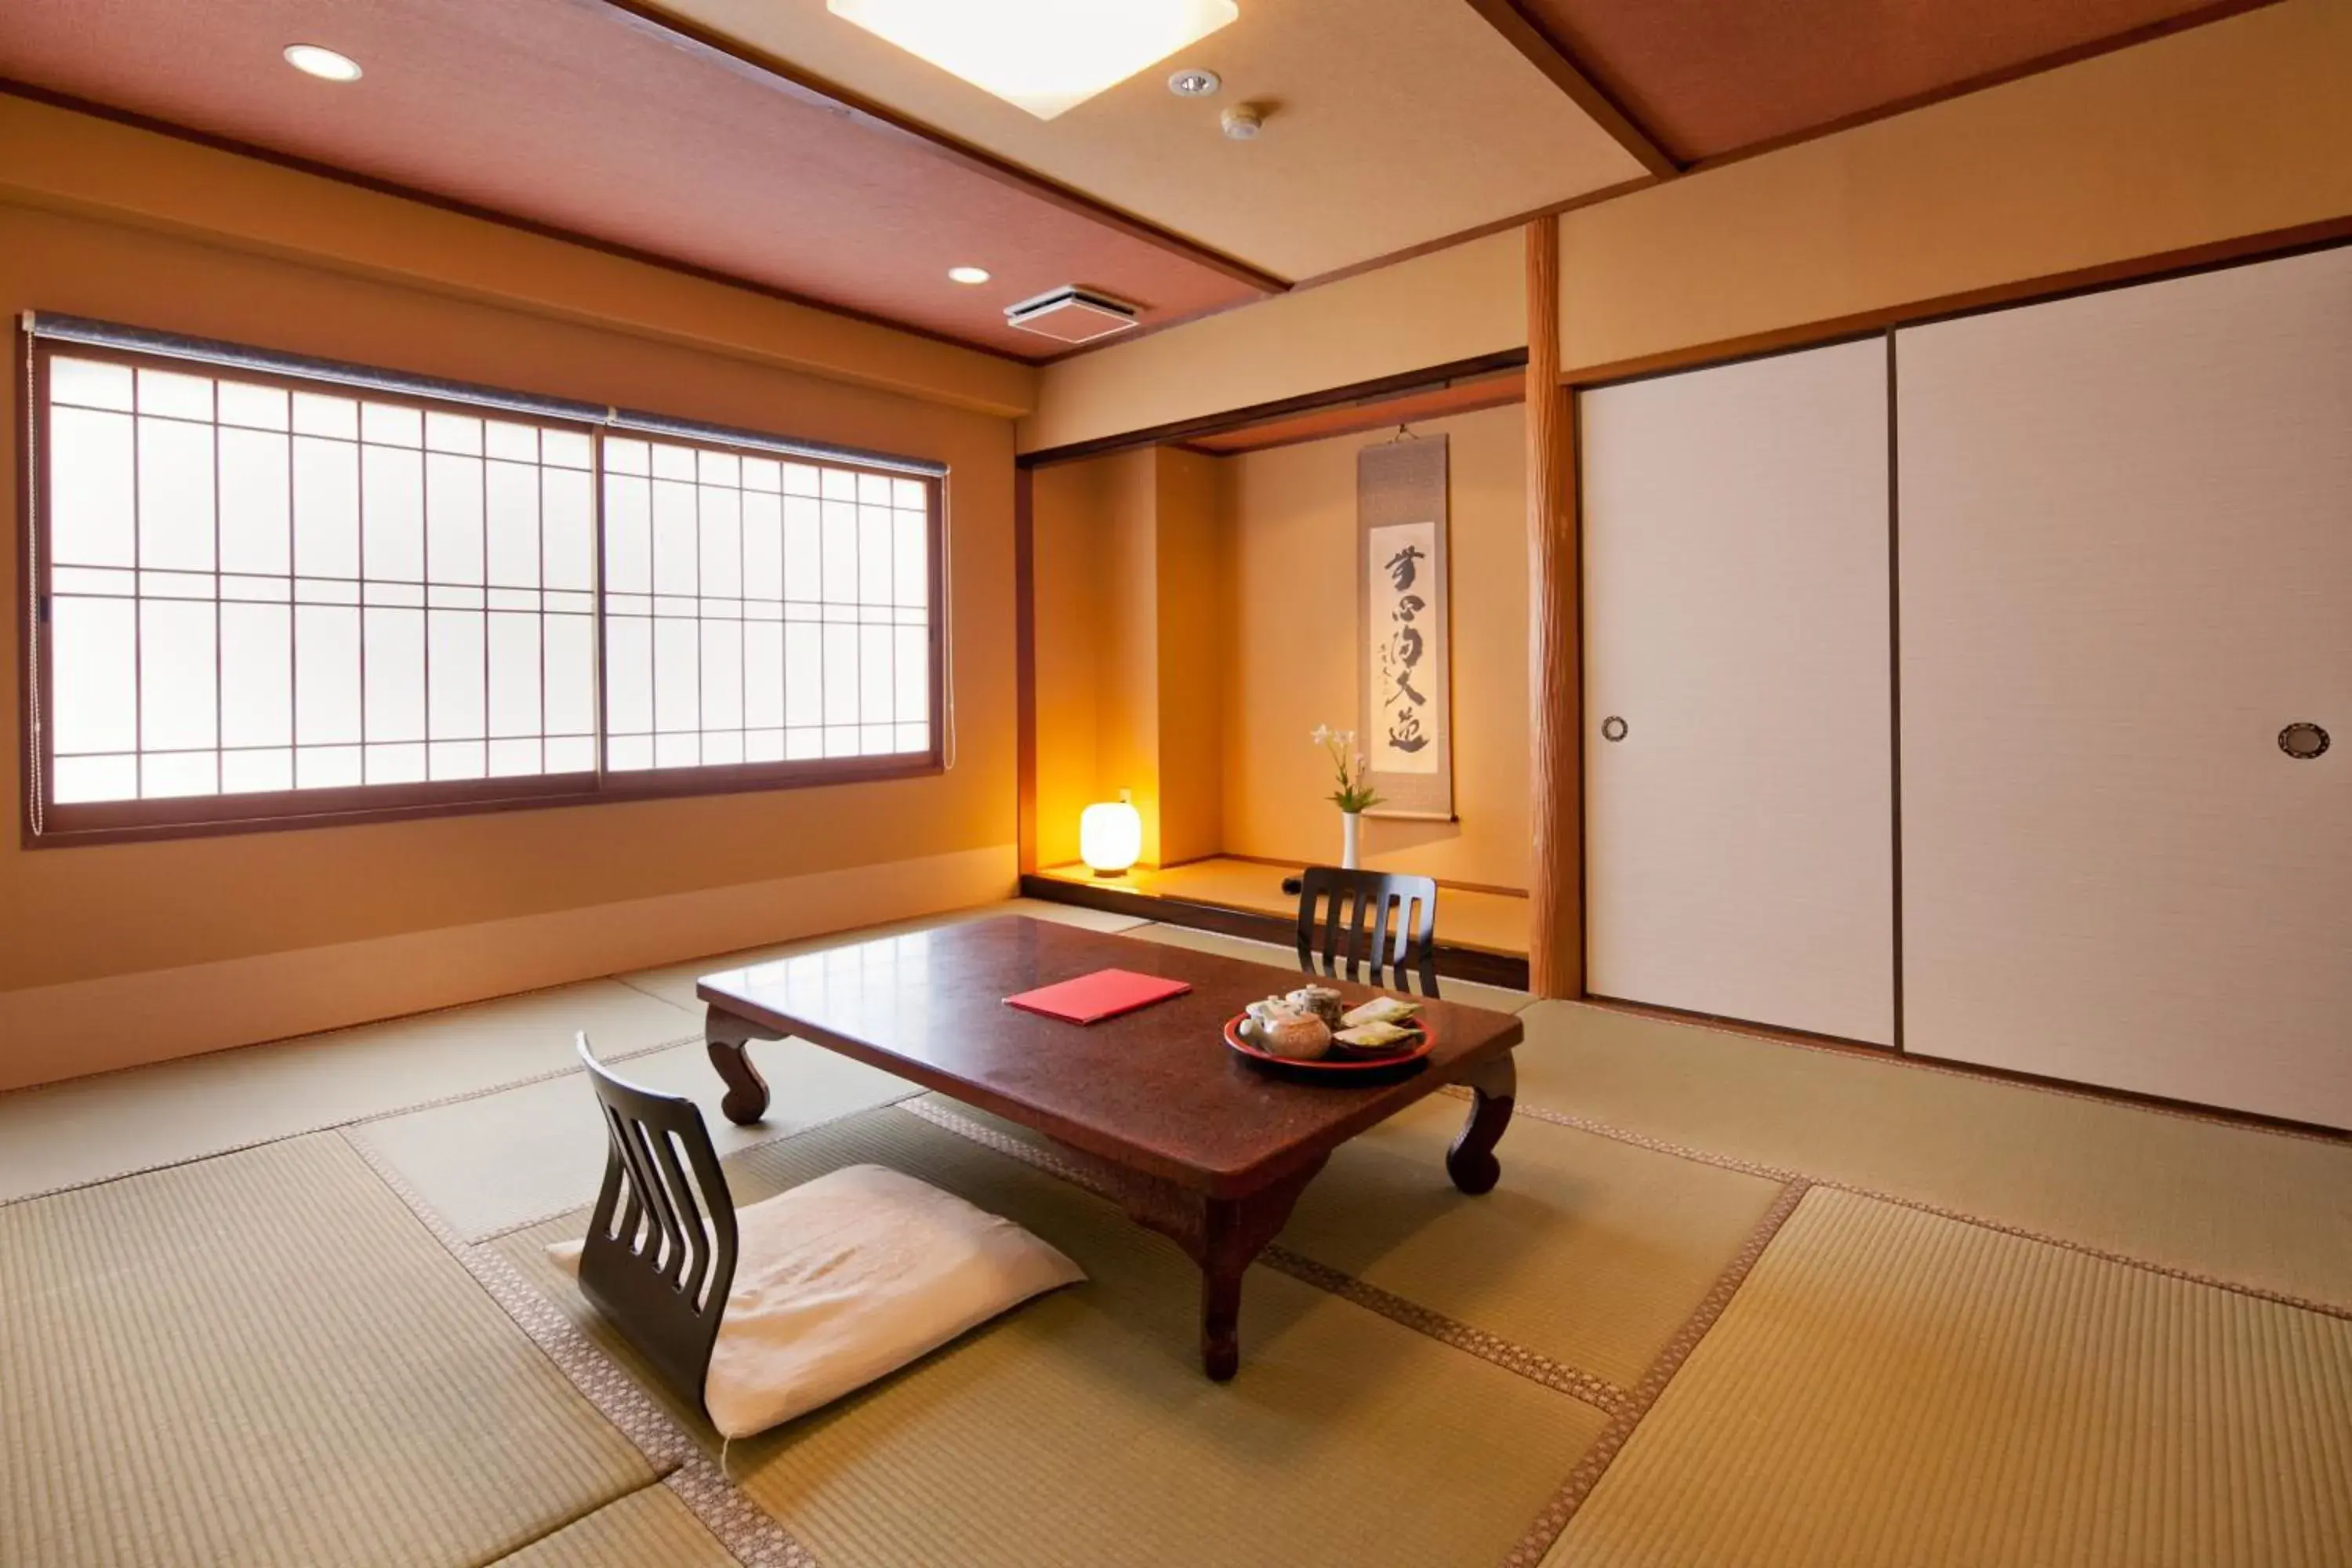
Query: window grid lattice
x=761 y=610
x=258 y=589
x=255 y=587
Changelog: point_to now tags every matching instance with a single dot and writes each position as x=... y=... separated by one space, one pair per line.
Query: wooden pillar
x=1555 y=682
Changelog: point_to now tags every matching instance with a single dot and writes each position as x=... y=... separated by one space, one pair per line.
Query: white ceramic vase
x=1351 y=839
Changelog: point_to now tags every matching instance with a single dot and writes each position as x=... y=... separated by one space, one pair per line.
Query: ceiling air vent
x=1071 y=315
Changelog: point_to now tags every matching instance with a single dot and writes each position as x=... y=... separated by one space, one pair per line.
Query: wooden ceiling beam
x=1544 y=52
x=783 y=76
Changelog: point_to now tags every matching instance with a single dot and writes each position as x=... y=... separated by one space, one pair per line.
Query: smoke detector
x=1071 y=315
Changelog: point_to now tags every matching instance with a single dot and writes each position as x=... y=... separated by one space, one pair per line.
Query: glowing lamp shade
x=1045 y=56
x=1110 y=836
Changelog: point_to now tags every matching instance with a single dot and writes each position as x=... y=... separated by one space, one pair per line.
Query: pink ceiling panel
x=575 y=114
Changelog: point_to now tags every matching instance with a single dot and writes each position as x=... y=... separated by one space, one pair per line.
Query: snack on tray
x=1321 y=1000
x=1381 y=1010
x=1378 y=1035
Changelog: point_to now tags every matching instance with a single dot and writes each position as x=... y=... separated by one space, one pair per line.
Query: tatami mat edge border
x=756 y=1540
x=1625 y=1407
x=781 y=1133
x=1573 y=1491
x=1533 y=1365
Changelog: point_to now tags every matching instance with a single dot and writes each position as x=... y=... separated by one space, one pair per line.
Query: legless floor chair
x=843 y=1278
x=659 y=1257
x=1372 y=926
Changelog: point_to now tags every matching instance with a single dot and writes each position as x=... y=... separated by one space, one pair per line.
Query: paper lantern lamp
x=1110 y=836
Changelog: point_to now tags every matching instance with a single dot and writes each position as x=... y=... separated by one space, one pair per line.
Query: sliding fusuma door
x=2126 y=580
x=1738 y=726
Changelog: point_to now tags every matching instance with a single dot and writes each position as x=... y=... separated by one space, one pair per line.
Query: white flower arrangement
x=1355 y=791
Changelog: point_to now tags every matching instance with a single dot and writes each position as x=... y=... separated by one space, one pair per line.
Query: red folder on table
x=1105 y=993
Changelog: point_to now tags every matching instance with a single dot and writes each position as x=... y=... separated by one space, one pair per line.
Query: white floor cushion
x=851 y=1275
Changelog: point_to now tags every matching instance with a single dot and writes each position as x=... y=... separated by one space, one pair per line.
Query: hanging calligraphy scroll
x=1406 y=729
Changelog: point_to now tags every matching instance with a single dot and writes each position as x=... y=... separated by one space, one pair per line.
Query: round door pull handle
x=2303 y=739
x=1613 y=729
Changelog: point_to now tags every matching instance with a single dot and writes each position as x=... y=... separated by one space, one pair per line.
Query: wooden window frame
x=44 y=824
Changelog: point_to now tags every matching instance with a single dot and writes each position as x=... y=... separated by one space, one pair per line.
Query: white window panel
x=453 y=517
x=256 y=675
x=95 y=649
x=175 y=495
x=93 y=488
x=392 y=646
x=178 y=696
x=256 y=479
x=89 y=384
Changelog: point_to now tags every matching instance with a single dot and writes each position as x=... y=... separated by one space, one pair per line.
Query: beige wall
x=545 y=894
x=1068 y=575
x=1127 y=724
x=1294 y=666
x=2237 y=128
x=1194 y=621
x=1453 y=304
x=1132 y=596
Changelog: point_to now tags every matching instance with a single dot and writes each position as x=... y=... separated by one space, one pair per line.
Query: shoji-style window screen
x=260 y=597
x=762 y=610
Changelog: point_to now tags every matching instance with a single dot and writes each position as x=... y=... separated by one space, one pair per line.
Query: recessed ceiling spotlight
x=968 y=274
x=325 y=64
x=1045 y=56
x=1194 y=83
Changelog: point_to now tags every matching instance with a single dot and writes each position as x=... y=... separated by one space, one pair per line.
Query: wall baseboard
x=86 y=1027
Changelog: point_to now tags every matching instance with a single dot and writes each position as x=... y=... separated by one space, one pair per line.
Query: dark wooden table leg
x=1234 y=1231
x=1224 y=1235
x=725 y=1036
x=1471 y=1160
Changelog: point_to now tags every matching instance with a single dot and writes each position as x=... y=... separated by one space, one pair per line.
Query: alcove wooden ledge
x=1482 y=934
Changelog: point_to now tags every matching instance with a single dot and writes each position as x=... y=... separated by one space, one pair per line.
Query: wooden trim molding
x=1376 y=390
x=1544 y=52
x=1555 y=680
x=776 y=72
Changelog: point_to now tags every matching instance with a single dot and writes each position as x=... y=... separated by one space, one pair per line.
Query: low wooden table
x=1194 y=1142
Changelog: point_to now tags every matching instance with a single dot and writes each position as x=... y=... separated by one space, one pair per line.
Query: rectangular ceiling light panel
x=1045 y=56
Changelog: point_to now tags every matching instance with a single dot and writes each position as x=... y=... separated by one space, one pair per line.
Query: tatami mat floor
x=1733 y=1303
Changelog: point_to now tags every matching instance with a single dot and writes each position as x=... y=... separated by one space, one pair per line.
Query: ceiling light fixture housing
x=318 y=60
x=1071 y=315
x=1195 y=82
x=968 y=274
x=1045 y=56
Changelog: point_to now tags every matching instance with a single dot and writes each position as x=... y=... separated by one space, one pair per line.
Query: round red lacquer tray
x=1329 y=1070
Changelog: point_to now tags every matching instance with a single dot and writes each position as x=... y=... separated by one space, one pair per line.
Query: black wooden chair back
x=1372 y=926
x=660 y=1253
